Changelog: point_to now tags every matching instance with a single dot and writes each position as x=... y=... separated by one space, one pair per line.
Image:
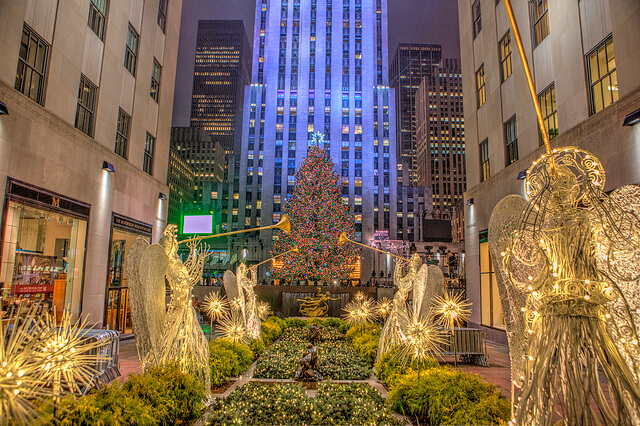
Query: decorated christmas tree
x=318 y=217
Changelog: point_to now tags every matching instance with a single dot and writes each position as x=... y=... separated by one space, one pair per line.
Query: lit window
x=547 y=101
x=484 y=160
x=155 y=80
x=539 y=20
x=86 y=106
x=603 y=79
x=481 y=96
x=506 y=67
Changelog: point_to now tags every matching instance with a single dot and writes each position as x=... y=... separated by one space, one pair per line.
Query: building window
x=86 y=105
x=98 y=16
x=539 y=21
x=484 y=160
x=32 y=64
x=477 y=21
x=162 y=14
x=155 y=80
x=149 y=148
x=481 y=96
x=511 y=140
x=506 y=67
x=122 y=134
x=603 y=79
x=131 y=53
x=547 y=101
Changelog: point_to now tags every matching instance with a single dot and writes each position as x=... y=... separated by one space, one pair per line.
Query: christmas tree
x=318 y=217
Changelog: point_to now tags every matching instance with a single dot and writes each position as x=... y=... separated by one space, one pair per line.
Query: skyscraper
x=440 y=149
x=411 y=64
x=220 y=74
x=320 y=66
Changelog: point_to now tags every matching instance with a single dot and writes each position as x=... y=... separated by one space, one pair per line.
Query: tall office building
x=320 y=66
x=221 y=72
x=585 y=58
x=411 y=64
x=440 y=149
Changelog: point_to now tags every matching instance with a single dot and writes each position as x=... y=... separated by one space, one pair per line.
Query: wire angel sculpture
x=248 y=278
x=425 y=282
x=567 y=264
x=174 y=336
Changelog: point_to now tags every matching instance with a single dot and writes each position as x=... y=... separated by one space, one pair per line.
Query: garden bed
x=285 y=404
x=337 y=358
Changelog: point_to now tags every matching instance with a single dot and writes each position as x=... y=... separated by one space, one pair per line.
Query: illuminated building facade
x=411 y=64
x=440 y=149
x=221 y=72
x=320 y=66
x=181 y=183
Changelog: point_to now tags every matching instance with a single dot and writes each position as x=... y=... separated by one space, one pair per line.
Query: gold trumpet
x=344 y=239
x=295 y=249
x=283 y=225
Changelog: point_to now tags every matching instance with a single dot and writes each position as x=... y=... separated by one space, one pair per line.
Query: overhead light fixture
x=3 y=109
x=632 y=119
x=470 y=202
x=522 y=175
x=108 y=167
x=162 y=196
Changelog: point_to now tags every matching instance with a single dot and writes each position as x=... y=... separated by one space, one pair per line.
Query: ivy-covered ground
x=337 y=358
x=285 y=404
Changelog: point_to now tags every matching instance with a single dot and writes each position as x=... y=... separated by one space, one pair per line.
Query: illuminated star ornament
x=234 y=330
x=359 y=311
x=453 y=309
x=215 y=306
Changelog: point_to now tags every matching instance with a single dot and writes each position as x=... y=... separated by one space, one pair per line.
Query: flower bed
x=337 y=359
x=285 y=404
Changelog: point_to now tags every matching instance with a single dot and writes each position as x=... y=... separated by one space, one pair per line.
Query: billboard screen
x=197 y=224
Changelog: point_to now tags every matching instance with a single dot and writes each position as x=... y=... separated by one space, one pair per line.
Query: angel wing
x=504 y=222
x=434 y=287
x=234 y=294
x=146 y=267
x=619 y=258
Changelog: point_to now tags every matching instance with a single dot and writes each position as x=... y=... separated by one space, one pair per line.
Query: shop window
x=131 y=51
x=490 y=304
x=149 y=149
x=162 y=14
x=511 y=141
x=603 y=78
x=122 y=134
x=155 y=80
x=547 y=101
x=506 y=67
x=86 y=106
x=98 y=16
x=539 y=20
x=480 y=93
x=42 y=258
x=32 y=64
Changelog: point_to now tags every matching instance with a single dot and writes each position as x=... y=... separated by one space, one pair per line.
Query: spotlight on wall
x=3 y=109
x=470 y=202
x=632 y=118
x=108 y=167
x=162 y=196
x=522 y=175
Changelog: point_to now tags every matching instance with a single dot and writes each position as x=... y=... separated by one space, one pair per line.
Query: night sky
x=410 y=21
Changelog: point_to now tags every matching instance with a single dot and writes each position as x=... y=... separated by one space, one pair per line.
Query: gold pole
x=284 y=225
x=294 y=249
x=343 y=239
x=527 y=73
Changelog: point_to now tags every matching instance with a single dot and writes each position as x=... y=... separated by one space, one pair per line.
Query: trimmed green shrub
x=389 y=366
x=365 y=339
x=242 y=352
x=294 y=322
x=443 y=396
x=160 y=396
x=228 y=359
x=270 y=332
x=277 y=321
x=256 y=346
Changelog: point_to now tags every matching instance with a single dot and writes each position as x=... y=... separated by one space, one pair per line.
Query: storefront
x=124 y=232
x=44 y=238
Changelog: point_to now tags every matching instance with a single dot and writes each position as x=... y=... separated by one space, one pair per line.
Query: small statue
x=308 y=371
x=314 y=334
x=317 y=306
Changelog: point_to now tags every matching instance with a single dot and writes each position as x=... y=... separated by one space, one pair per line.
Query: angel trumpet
x=283 y=225
x=344 y=239
x=295 y=249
